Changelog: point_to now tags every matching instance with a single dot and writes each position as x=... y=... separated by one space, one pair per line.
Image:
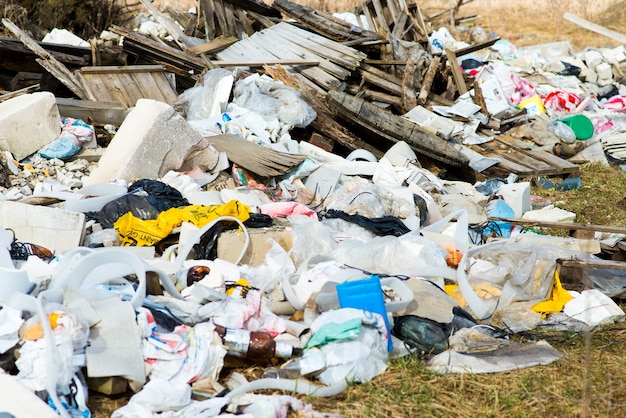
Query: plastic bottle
x=253 y=345
x=196 y=273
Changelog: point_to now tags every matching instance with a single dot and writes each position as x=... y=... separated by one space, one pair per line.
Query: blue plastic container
x=365 y=294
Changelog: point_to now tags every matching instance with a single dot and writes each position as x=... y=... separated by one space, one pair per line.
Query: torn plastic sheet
x=483 y=354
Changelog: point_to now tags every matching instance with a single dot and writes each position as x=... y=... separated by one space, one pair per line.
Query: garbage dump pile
x=288 y=190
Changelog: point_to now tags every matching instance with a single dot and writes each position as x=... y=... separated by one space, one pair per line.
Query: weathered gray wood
x=214 y=45
x=209 y=21
x=171 y=27
x=25 y=90
x=333 y=51
x=321 y=22
x=428 y=80
x=324 y=121
x=409 y=98
x=459 y=79
x=395 y=128
x=94 y=112
x=46 y=60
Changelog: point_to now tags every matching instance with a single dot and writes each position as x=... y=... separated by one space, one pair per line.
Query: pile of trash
x=163 y=245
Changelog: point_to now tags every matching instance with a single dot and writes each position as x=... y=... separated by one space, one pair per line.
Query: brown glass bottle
x=257 y=346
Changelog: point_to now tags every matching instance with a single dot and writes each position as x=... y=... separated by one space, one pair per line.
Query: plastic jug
x=365 y=294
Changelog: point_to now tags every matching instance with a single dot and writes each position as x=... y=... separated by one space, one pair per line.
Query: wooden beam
x=409 y=98
x=25 y=90
x=592 y=264
x=562 y=225
x=428 y=80
x=616 y=36
x=46 y=60
x=459 y=79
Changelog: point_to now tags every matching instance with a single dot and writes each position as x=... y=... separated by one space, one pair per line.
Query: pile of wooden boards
x=360 y=79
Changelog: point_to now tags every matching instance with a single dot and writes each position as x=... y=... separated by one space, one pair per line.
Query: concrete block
x=591 y=76
x=56 y=229
x=230 y=243
x=604 y=71
x=517 y=196
x=593 y=59
x=28 y=123
x=152 y=140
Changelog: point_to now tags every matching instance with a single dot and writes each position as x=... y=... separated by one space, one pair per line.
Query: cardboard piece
x=114 y=347
x=230 y=243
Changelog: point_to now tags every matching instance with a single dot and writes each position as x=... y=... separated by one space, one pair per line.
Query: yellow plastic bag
x=557 y=301
x=138 y=232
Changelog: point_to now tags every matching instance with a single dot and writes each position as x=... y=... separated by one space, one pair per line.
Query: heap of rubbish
x=315 y=194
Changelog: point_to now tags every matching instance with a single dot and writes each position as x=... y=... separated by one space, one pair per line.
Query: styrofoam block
x=56 y=229
x=152 y=140
x=28 y=123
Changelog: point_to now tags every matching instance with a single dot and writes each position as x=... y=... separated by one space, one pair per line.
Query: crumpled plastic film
x=137 y=232
x=557 y=301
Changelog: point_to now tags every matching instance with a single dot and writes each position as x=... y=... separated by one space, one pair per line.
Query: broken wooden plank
x=562 y=225
x=324 y=122
x=93 y=112
x=127 y=84
x=47 y=61
x=264 y=62
x=273 y=44
x=428 y=80
x=593 y=264
x=323 y=23
x=459 y=79
x=16 y=93
x=375 y=96
x=209 y=21
x=409 y=98
x=335 y=52
x=616 y=36
x=256 y=7
x=395 y=128
x=180 y=62
x=559 y=166
x=245 y=22
x=214 y=45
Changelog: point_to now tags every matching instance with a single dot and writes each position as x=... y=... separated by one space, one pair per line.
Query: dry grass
x=584 y=383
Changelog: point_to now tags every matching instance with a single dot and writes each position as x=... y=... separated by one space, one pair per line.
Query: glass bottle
x=253 y=345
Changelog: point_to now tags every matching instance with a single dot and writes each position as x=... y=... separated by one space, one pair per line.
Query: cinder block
x=28 y=123
x=152 y=140
x=56 y=229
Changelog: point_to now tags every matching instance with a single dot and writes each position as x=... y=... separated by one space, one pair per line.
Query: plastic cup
x=581 y=125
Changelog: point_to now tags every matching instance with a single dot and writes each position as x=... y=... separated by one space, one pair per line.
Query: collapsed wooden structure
x=359 y=81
